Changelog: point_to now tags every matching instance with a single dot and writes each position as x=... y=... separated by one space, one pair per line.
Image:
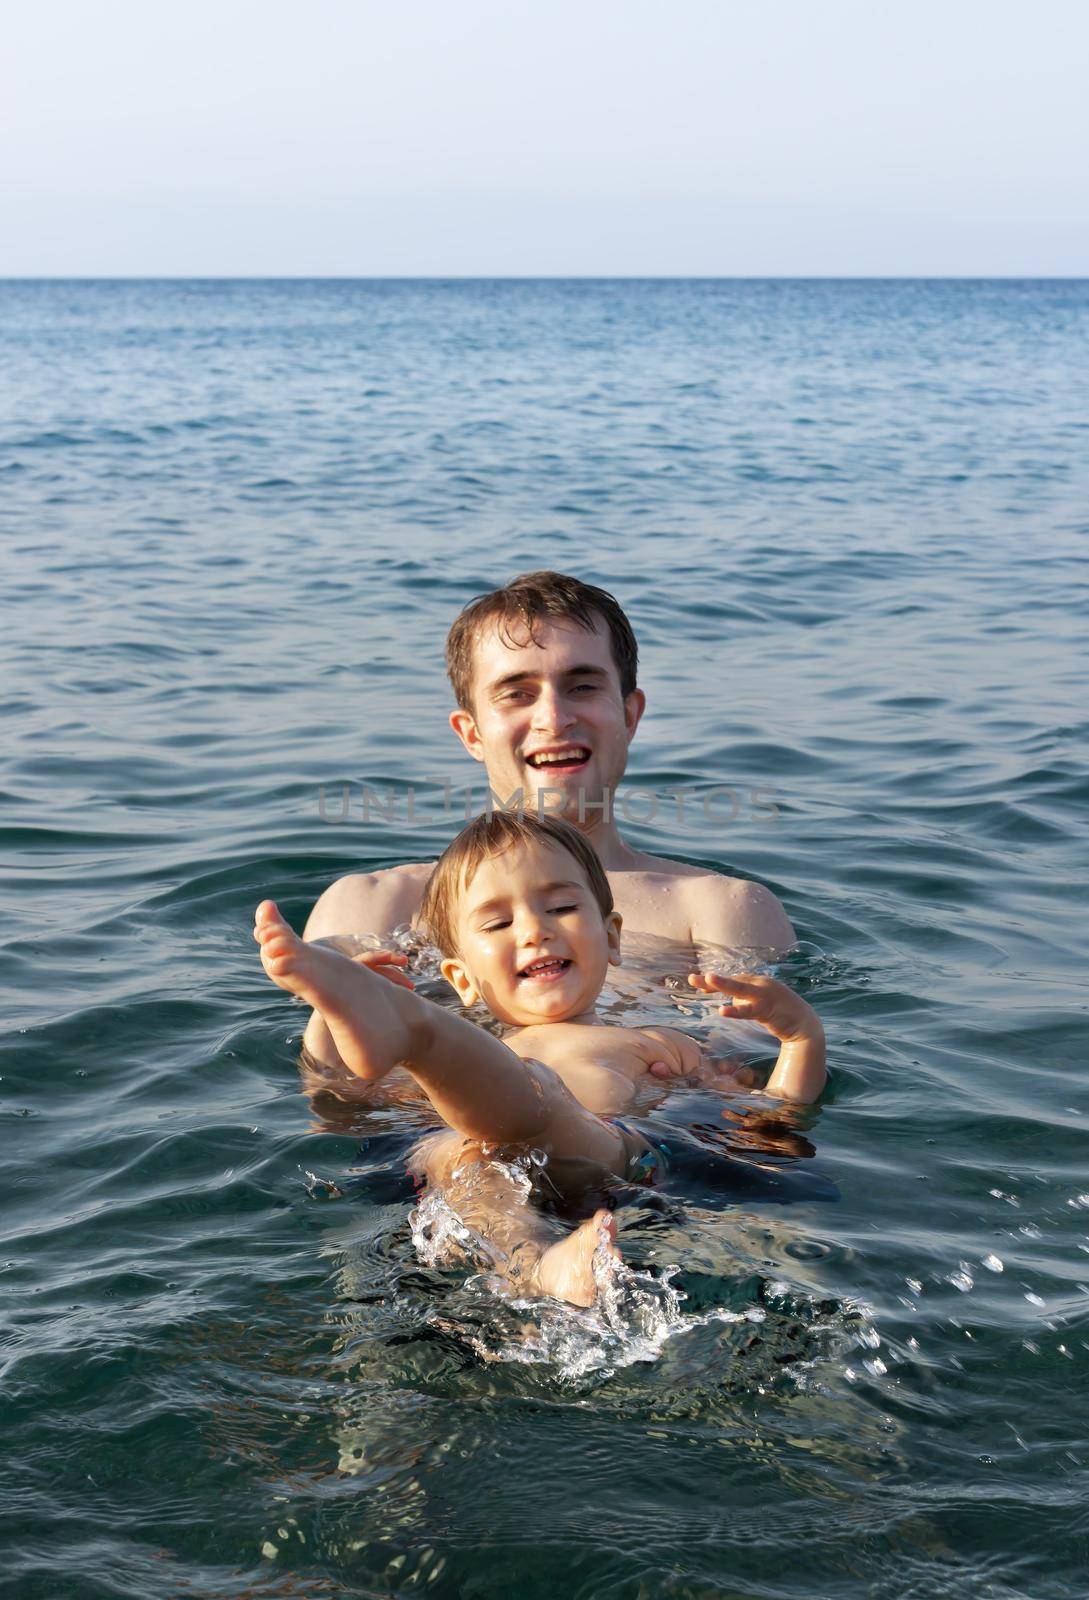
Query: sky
x=545 y=137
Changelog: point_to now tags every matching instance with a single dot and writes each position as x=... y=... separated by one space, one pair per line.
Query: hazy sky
x=364 y=137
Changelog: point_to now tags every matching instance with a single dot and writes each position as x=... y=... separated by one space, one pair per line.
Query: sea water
x=848 y=522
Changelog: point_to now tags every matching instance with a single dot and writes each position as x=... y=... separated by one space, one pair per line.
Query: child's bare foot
x=566 y=1269
x=359 y=1008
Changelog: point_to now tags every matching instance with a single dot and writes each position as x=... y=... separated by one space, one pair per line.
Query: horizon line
x=550 y=277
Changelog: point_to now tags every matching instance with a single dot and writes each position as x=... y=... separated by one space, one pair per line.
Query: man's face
x=549 y=715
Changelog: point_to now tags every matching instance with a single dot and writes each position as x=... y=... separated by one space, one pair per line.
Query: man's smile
x=559 y=758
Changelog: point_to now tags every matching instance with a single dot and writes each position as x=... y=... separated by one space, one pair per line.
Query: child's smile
x=545 y=970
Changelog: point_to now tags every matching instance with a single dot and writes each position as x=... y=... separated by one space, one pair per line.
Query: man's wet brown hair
x=493 y=835
x=520 y=605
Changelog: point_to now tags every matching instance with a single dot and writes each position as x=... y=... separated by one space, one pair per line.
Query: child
x=522 y=912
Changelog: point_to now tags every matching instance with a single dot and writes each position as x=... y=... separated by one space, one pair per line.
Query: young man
x=544 y=673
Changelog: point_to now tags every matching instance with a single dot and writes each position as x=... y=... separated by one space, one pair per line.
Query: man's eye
x=559 y=911
x=494 y=927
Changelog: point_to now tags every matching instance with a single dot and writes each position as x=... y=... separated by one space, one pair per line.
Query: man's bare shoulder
x=735 y=912
x=650 y=866
x=679 y=901
x=717 y=909
x=370 y=902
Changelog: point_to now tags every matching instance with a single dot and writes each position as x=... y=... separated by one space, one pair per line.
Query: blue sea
x=848 y=521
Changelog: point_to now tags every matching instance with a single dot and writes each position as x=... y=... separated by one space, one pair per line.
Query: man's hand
x=669 y=1071
x=387 y=963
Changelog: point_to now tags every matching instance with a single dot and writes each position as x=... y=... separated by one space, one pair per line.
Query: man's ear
x=464 y=725
x=613 y=924
x=634 y=706
x=460 y=980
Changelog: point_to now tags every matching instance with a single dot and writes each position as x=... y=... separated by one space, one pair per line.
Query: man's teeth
x=554 y=964
x=559 y=758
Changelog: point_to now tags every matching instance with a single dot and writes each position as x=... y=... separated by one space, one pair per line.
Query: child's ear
x=613 y=924
x=460 y=980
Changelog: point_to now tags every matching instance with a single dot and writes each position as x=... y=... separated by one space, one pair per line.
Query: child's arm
x=799 y=1073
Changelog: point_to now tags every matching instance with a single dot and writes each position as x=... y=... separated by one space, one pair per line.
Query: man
x=544 y=673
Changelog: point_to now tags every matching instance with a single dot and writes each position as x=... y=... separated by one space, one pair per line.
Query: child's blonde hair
x=493 y=834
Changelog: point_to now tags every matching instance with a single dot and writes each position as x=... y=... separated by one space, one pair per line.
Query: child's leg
x=476 y=1083
x=487 y=1199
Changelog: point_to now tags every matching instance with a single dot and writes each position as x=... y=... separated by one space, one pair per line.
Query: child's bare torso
x=605 y=1067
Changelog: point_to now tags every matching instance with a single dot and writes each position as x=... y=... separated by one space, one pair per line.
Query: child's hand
x=766 y=1001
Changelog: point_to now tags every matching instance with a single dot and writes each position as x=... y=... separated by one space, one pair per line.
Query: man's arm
x=363 y=902
x=737 y=914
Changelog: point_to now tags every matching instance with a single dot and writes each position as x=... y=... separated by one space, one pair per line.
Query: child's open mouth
x=546 y=970
x=564 y=758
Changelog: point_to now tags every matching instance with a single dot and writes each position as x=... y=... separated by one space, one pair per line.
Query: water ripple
x=848 y=521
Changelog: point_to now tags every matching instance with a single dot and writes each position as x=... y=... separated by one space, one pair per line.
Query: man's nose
x=551 y=712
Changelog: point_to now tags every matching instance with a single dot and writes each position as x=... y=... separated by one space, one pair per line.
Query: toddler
x=522 y=912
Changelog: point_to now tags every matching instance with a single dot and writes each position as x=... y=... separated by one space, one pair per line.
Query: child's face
x=532 y=942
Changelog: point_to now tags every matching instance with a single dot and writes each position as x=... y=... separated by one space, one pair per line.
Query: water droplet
x=993 y=1263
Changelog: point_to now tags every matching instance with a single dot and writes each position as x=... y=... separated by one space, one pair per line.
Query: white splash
x=632 y=1319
